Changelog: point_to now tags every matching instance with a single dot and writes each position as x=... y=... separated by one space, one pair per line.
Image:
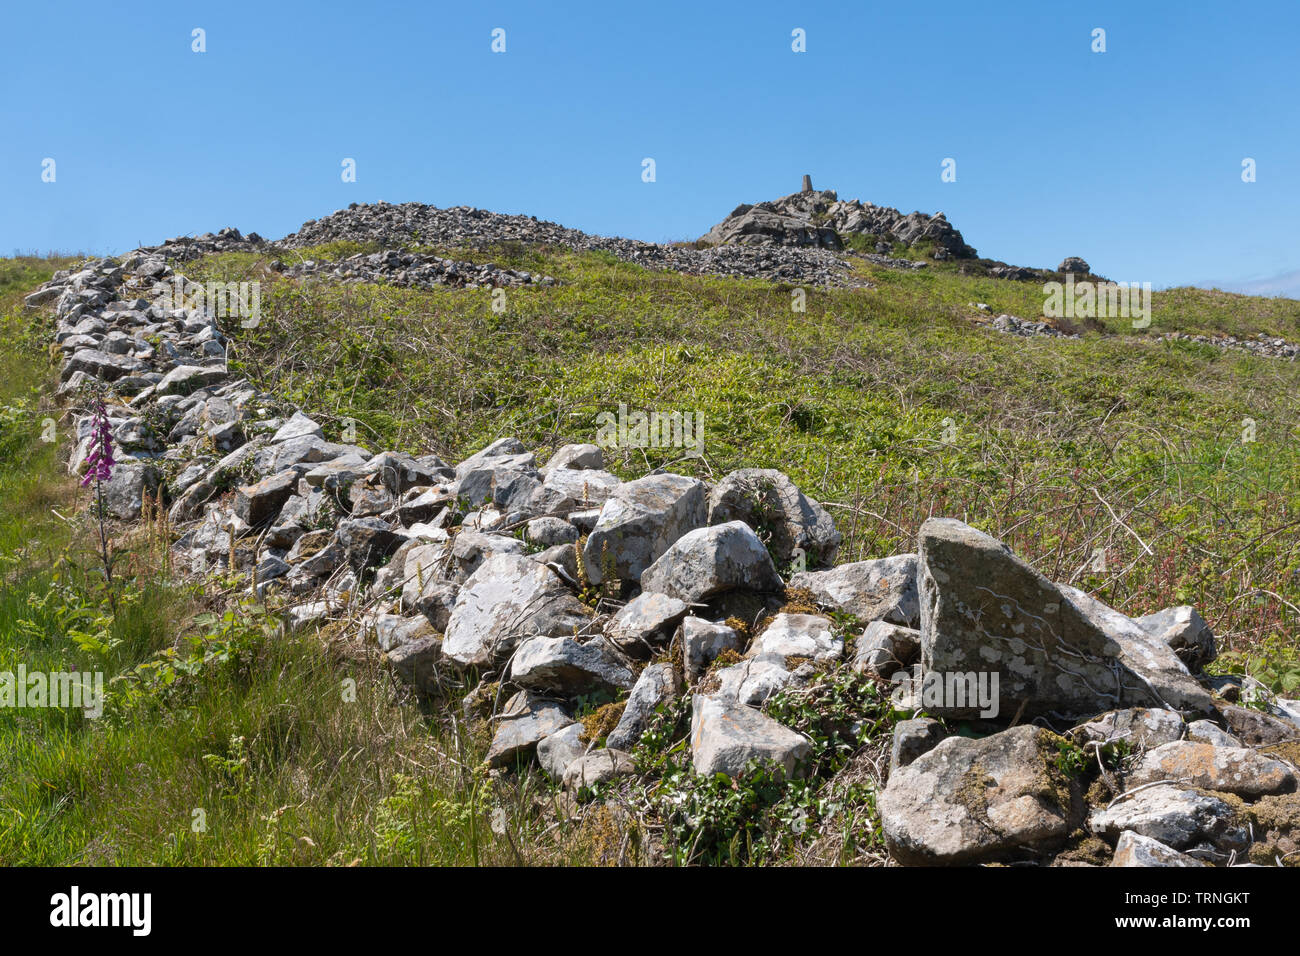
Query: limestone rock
x=971 y=800
x=1238 y=770
x=726 y=736
x=1054 y=648
x=506 y=600
x=1133 y=849
x=639 y=522
x=711 y=560
x=792 y=523
x=879 y=590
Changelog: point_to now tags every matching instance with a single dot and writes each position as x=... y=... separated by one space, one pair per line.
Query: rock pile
x=411 y=270
x=1263 y=345
x=1086 y=735
x=818 y=218
x=397 y=226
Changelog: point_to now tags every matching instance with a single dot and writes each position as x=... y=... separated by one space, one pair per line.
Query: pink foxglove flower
x=99 y=463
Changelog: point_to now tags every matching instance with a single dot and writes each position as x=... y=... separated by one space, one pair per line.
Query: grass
x=223 y=741
x=1115 y=462
x=1120 y=452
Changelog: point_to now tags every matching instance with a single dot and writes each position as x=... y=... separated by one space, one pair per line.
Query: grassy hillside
x=222 y=743
x=886 y=404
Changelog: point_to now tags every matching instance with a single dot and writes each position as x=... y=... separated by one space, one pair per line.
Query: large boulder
x=792 y=524
x=1054 y=649
x=879 y=590
x=967 y=800
x=709 y=561
x=506 y=600
x=639 y=522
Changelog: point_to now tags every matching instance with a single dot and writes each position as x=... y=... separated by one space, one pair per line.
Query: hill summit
x=813 y=217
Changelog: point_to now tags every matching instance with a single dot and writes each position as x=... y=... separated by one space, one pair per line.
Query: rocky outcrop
x=818 y=218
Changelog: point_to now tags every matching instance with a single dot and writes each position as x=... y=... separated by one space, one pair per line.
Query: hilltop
x=421 y=378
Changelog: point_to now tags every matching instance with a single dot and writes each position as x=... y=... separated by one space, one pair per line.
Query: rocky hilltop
x=819 y=219
x=1013 y=718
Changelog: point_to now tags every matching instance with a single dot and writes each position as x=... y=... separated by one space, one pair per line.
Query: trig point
x=807 y=183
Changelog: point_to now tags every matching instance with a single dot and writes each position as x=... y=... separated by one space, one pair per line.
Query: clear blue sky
x=1130 y=158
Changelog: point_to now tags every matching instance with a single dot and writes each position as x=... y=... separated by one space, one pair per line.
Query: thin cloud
x=1283 y=284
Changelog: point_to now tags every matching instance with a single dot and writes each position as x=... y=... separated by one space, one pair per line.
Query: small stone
x=1134 y=849
x=727 y=736
x=597 y=767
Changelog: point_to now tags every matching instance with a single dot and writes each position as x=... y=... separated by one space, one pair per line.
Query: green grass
x=886 y=404
x=223 y=742
x=1114 y=442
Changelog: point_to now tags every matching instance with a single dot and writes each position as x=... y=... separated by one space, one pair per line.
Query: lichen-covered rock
x=727 y=736
x=797 y=529
x=1208 y=732
x=597 y=767
x=550 y=531
x=879 y=590
x=644 y=622
x=709 y=561
x=1255 y=728
x=789 y=636
x=563 y=666
x=1054 y=648
x=1139 y=727
x=125 y=490
x=367 y=541
x=1179 y=817
x=260 y=502
x=703 y=641
x=560 y=749
x=971 y=800
x=1238 y=770
x=639 y=522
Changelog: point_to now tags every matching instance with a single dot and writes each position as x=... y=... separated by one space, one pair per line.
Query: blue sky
x=1130 y=158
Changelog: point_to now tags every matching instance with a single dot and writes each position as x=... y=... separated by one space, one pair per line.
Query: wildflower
x=99 y=463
